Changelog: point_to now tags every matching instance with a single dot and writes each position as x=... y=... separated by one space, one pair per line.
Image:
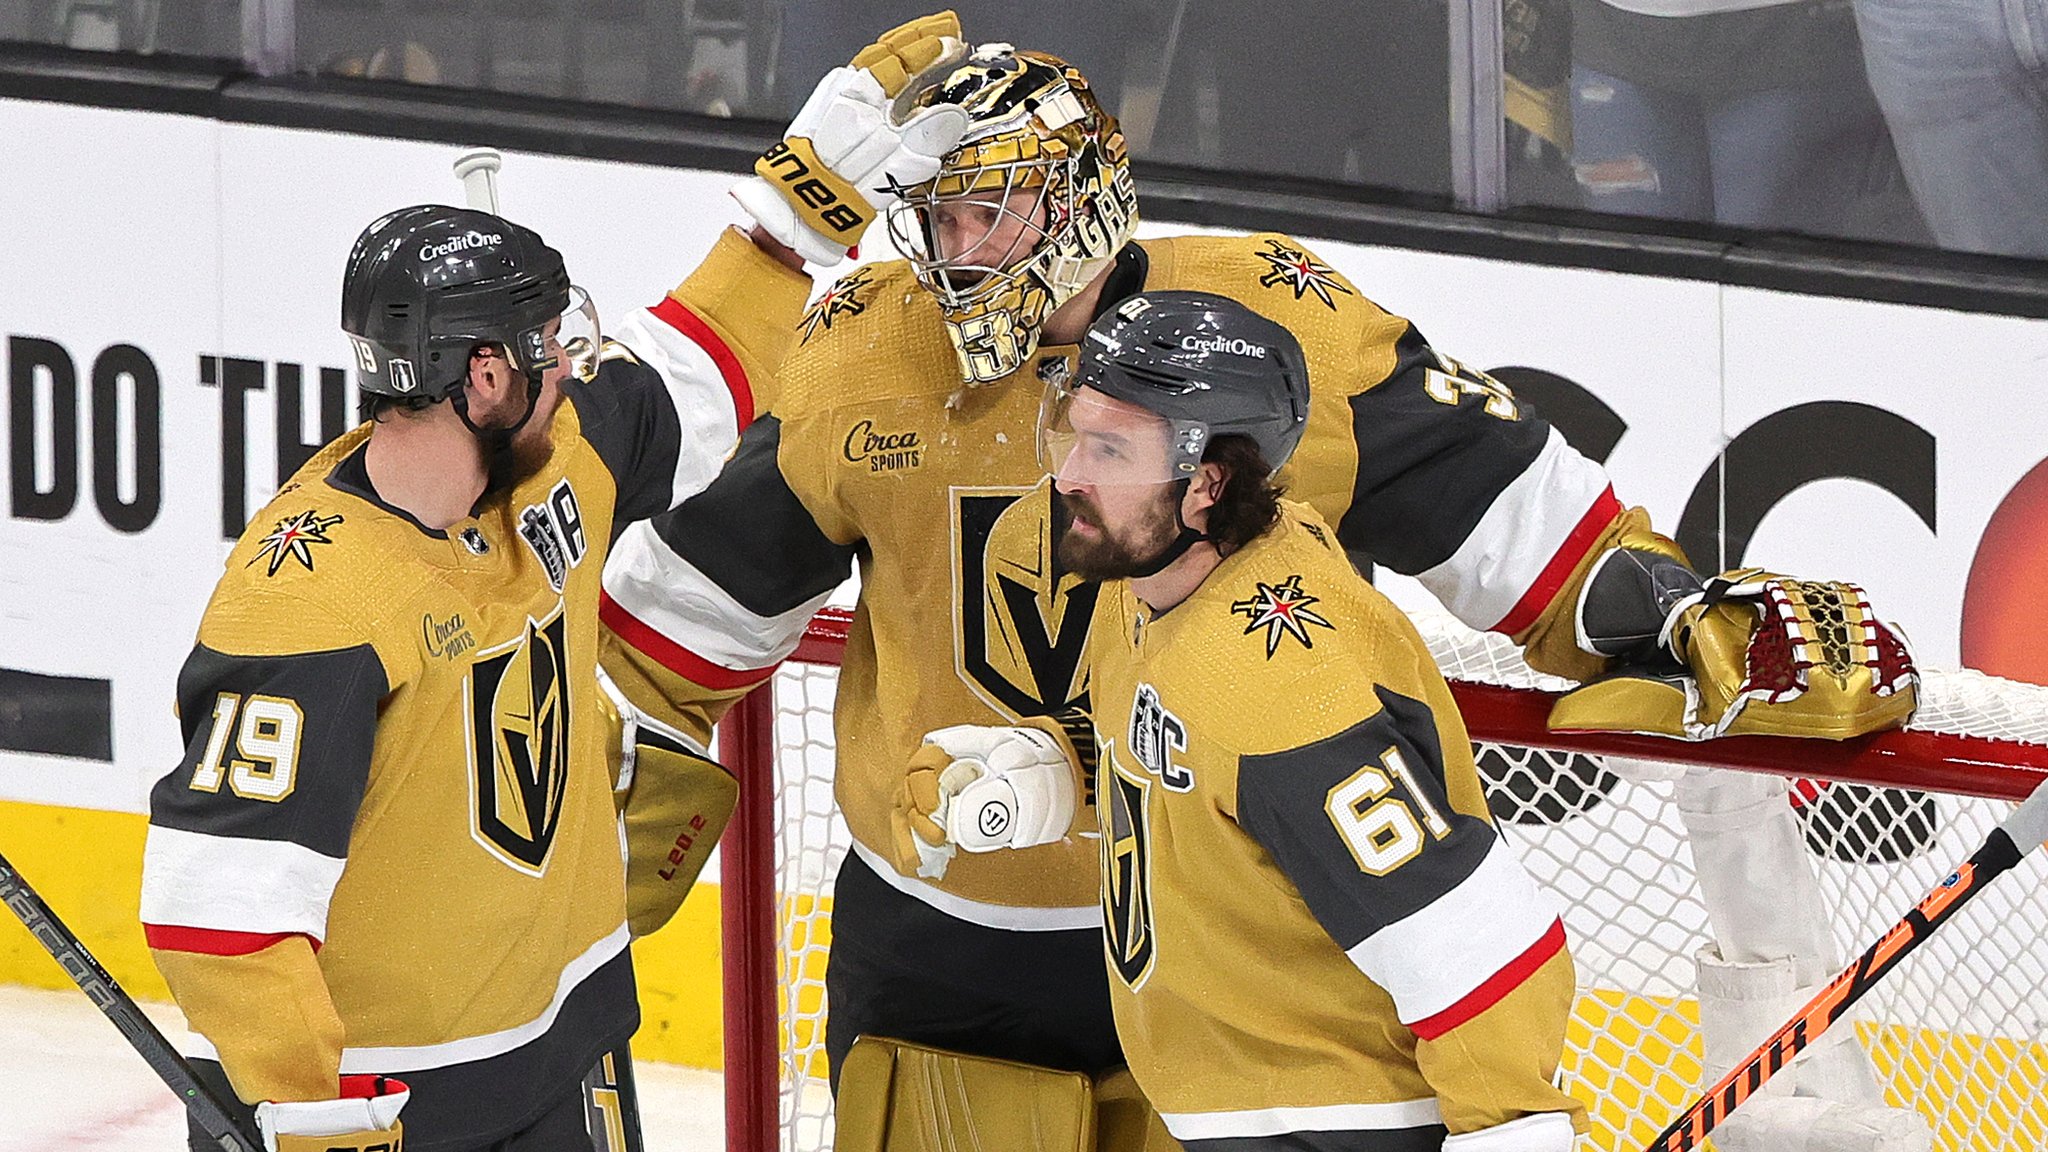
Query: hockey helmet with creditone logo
x=1200 y=364
x=425 y=285
x=1034 y=127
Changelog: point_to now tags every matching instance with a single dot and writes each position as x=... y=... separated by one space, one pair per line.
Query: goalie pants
x=562 y=1125
x=902 y=969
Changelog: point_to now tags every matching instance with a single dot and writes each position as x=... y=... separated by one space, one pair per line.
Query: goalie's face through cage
x=1031 y=207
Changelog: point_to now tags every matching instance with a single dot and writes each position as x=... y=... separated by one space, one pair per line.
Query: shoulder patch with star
x=293 y=539
x=1296 y=269
x=1282 y=610
x=843 y=298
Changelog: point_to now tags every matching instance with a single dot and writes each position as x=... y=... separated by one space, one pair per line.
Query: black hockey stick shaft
x=49 y=931
x=2007 y=845
x=612 y=1103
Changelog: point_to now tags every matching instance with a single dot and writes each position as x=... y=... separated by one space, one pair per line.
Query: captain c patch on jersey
x=1282 y=610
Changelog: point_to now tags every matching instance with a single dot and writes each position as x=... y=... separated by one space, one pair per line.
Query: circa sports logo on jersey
x=293 y=539
x=882 y=451
x=1296 y=269
x=554 y=530
x=1127 y=871
x=1021 y=624
x=843 y=298
x=517 y=698
x=1282 y=610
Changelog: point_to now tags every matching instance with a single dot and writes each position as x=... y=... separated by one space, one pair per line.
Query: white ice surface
x=70 y=1083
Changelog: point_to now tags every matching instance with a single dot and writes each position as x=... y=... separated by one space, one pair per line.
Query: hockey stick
x=2007 y=845
x=478 y=171
x=49 y=931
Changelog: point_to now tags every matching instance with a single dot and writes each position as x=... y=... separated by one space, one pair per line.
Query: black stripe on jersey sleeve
x=1427 y=470
x=628 y=416
x=751 y=535
x=1281 y=803
x=336 y=693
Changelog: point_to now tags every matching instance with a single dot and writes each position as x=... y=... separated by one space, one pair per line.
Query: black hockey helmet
x=427 y=284
x=1205 y=364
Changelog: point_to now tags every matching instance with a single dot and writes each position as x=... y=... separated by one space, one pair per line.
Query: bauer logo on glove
x=981 y=789
x=1757 y=654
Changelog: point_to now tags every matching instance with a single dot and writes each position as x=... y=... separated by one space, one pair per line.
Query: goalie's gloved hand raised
x=364 y=1118
x=981 y=788
x=817 y=189
x=1747 y=652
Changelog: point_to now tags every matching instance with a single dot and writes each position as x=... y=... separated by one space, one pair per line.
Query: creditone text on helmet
x=454 y=244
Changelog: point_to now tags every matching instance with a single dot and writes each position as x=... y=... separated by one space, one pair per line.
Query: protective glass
x=1085 y=437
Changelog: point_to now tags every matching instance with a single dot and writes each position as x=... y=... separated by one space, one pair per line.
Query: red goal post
x=1960 y=1034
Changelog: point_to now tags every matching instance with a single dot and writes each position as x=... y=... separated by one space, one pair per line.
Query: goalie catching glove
x=849 y=147
x=981 y=788
x=363 y=1119
x=1756 y=654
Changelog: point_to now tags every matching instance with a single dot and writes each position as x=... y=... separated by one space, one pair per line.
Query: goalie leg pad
x=900 y=1097
x=1125 y=1120
x=1755 y=874
x=1804 y=1124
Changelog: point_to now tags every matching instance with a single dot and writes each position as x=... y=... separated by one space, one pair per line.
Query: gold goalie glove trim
x=1767 y=655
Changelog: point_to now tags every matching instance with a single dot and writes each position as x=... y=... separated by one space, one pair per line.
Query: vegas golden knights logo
x=518 y=696
x=1022 y=624
x=1126 y=871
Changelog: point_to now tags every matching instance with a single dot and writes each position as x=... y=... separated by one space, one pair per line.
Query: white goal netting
x=1959 y=1032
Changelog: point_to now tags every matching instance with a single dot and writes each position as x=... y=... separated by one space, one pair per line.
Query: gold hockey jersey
x=1311 y=923
x=875 y=455
x=390 y=845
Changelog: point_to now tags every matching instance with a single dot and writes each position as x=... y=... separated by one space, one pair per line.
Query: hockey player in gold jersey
x=1316 y=940
x=385 y=876
x=902 y=444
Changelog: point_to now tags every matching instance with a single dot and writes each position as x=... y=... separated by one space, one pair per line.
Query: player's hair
x=1250 y=502
x=372 y=407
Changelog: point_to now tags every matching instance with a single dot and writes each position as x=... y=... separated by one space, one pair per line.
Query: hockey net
x=1959 y=1032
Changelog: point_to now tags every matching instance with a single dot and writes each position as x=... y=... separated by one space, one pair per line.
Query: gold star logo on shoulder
x=1281 y=608
x=841 y=299
x=293 y=538
x=1302 y=272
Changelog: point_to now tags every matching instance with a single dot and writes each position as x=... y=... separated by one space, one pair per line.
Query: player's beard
x=1111 y=555
x=515 y=458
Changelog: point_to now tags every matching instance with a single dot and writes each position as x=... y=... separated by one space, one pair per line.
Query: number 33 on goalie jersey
x=1312 y=923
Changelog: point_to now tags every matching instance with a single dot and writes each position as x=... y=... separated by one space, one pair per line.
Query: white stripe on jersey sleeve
x=1255 y=1123
x=234 y=884
x=1436 y=956
x=668 y=594
x=1518 y=536
x=703 y=401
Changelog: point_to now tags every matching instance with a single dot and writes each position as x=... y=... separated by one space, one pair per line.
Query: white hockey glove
x=982 y=789
x=364 y=1119
x=817 y=190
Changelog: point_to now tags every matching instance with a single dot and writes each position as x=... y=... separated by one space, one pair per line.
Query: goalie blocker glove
x=855 y=141
x=1747 y=652
x=982 y=788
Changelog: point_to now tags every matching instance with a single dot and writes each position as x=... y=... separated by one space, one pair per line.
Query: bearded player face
x=1116 y=515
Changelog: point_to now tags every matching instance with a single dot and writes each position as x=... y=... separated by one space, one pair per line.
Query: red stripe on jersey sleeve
x=1495 y=987
x=1605 y=508
x=674 y=656
x=678 y=316
x=214 y=941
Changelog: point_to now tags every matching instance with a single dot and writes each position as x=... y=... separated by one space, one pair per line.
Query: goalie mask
x=1032 y=206
x=426 y=285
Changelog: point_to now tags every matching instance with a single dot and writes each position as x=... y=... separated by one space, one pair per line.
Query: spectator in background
x=1964 y=85
x=1753 y=113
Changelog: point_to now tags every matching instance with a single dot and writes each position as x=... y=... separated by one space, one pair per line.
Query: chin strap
x=1187 y=539
x=495 y=439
